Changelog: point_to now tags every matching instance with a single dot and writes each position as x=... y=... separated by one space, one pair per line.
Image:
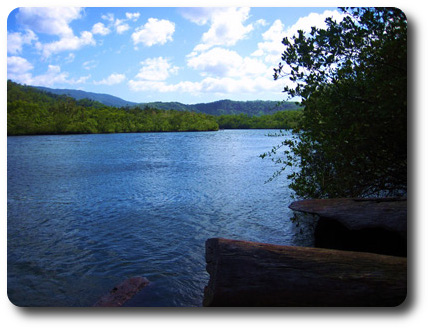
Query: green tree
x=352 y=78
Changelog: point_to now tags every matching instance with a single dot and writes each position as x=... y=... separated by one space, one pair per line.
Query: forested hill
x=106 y=99
x=228 y=107
x=222 y=107
x=34 y=111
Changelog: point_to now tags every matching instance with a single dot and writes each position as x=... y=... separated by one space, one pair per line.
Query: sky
x=187 y=55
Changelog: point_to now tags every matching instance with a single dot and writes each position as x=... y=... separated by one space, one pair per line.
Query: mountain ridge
x=220 y=107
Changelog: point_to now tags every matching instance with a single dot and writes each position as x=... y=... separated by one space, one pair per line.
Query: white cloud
x=154 y=32
x=224 y=72
x=55 y=21
x=261 y=22
x=272 y=48
x=221 y=62
x=71 y=42
x=18 y=65
x=100 y=28
x=108 y=17
x=88 y=65
x=49 y=20
x=222 y=87
x=19 y=71
x=16 y=40
x=313 y=19
x=199 y=15
x=163 y=87
x=132 y=16
x=113 y=79
x=227 y=25
x=156 y=69
x=227 y=28
x=120 y=26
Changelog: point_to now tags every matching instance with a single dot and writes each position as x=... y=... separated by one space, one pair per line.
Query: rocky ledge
x=376 y=225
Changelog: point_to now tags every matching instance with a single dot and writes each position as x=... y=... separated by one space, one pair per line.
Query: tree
x=352 y=78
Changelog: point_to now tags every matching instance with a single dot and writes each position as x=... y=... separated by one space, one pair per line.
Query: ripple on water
x=85 y=212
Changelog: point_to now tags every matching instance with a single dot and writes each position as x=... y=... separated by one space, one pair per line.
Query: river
x=86 y=212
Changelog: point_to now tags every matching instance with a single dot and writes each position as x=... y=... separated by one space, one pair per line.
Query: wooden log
x=258 y=274
x=122 y=292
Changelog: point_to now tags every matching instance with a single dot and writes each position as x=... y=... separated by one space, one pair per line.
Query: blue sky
x=188 y=55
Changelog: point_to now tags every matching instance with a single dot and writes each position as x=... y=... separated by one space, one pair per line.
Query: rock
x=122 y=292
x=266 y=275
x=369 y=225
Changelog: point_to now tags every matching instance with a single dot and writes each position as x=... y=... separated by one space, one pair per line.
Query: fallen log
x=258 y=274
x=122 y=292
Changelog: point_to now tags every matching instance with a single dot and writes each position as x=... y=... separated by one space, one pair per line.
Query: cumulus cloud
x=271 y=48
x=18 y=65
x=132 y=16
x=156 y=69
x=49 y=20
x=154 y=32
x=16 y=40
x=113 y=79
x=100 y=28
x=318 y=20
x=54 y=21
x=19 y=70
x=222 y=87
x=221 y=62
x=223 y=71
x=67 y=43
x=119 y=25
x=200 y=15
x=227 y=25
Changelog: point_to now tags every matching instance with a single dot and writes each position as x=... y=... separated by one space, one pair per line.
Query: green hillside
x=222 y=107
x=34 y=111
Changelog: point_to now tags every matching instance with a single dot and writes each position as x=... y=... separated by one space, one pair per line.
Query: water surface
x=87 y=211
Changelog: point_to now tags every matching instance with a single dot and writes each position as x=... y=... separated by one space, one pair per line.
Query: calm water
x=87 y=211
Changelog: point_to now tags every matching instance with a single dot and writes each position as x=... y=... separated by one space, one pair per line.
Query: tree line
x=31 y=111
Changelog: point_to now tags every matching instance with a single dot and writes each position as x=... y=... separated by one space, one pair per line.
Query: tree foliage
x=35 y=111
x=352 y=78
x=31 y=111
x=281 y=120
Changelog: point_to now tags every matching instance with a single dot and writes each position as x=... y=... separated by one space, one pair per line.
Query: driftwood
x=258 y=274
x=122 y=292
x=377 y=225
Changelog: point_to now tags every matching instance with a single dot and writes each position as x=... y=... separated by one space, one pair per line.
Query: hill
x=106 y=99
x=222 y=107
x=34 y=111
x=228 y=107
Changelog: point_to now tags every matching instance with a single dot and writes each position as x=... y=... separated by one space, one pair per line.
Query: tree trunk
x=257 y=274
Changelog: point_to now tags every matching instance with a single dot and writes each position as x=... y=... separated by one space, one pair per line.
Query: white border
x=413 y=314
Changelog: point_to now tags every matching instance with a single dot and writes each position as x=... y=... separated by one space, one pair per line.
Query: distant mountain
x=106 y=99
x=227 y=107
x=222 y=107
